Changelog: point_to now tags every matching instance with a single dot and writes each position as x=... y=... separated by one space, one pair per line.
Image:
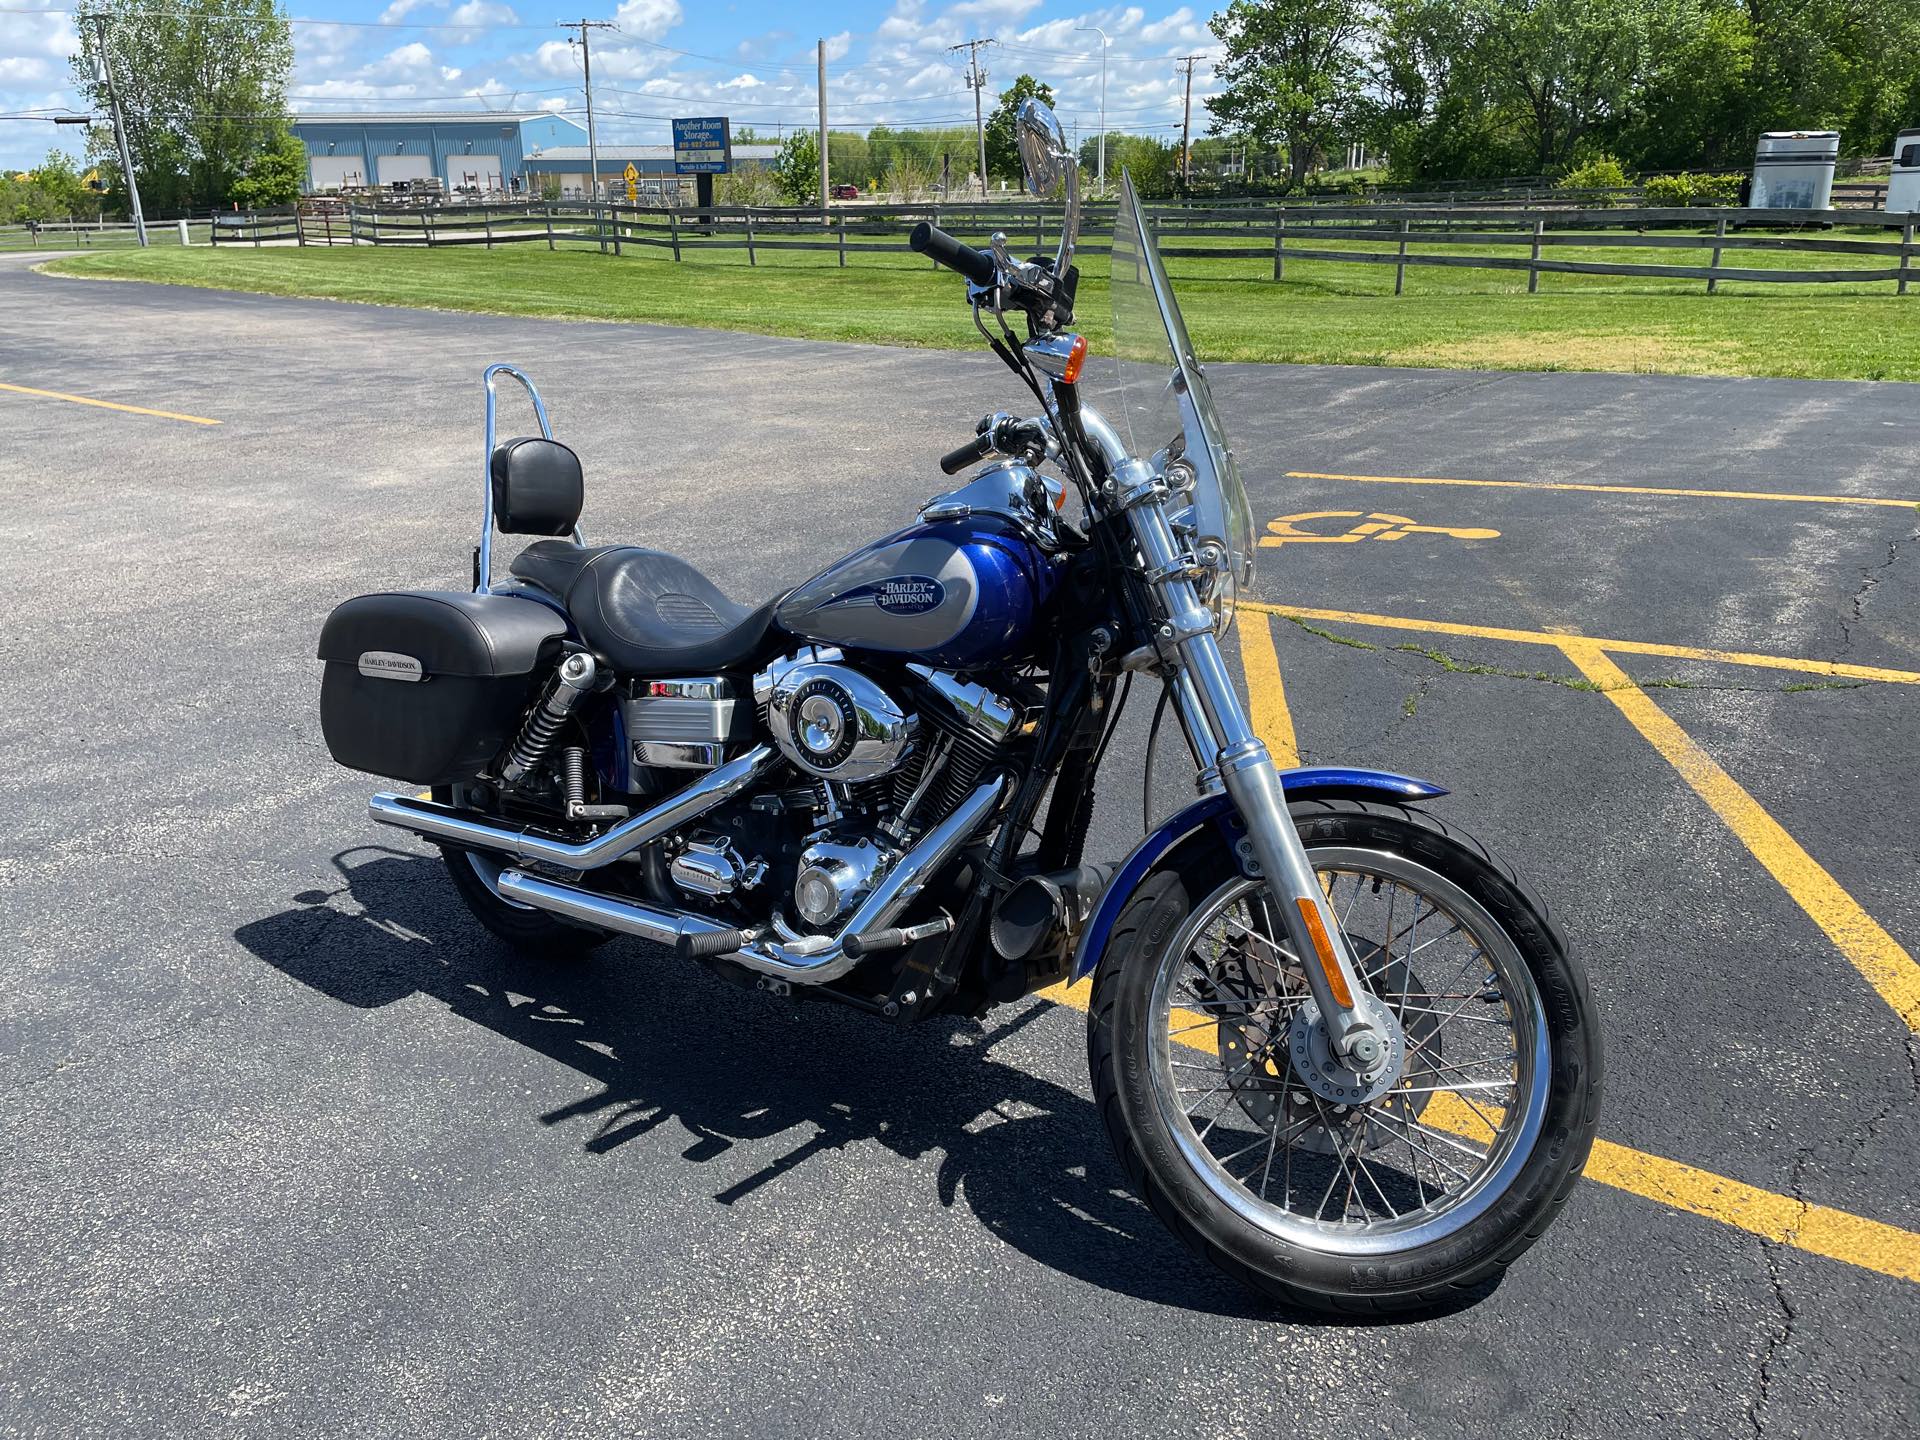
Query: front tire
x=1415 y=1201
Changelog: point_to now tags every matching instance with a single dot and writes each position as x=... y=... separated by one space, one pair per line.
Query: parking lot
x=294 y=1148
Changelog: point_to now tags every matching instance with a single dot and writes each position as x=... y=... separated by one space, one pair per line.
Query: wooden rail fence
x=1402 y=236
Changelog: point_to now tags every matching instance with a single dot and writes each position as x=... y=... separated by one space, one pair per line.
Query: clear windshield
x=1160 y=399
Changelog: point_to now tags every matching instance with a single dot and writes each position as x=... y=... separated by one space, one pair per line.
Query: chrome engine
x=886 y=763
x=831 y=720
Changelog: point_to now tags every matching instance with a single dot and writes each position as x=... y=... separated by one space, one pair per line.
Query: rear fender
x=1213 y=815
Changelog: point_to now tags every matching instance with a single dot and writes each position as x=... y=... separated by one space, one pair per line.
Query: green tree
x=1003 y=145
x=275 y=176
x=202 y=88
x=1564 y=69
x=54 y=191
x=798 y=168
x=1293 y=71
x=849 y=158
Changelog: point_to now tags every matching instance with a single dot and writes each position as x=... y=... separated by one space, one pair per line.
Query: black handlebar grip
x=971 y=453
x=930 y=240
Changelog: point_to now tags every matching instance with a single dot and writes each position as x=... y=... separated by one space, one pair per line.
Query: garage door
x=405 y=167
x=330 y=172
x=479 y=170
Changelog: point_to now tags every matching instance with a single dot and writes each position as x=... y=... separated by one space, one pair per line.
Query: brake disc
x=1256 y=1043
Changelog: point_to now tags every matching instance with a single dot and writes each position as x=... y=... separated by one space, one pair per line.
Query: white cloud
x=400 y=9
x=23 y=69
x=648 y=19
x=839 y=45
x=1178 y=28
x=483 y=12
x=741 y=82
x=412 y=61
x=1005 y=11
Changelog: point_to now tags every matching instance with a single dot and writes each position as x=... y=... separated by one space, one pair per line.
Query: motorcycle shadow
x=666 y=1041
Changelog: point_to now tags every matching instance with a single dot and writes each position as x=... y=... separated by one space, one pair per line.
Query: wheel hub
x=1330 y=1076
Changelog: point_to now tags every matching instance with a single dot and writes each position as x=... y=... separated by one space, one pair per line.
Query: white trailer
x=1793 y=170
x=1903 y=184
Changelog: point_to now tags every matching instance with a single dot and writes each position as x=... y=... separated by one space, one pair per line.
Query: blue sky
x=888 y=61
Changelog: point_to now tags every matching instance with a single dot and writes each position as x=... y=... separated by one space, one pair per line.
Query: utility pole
x=1187 y=62
x=821 y=51
x=1103 y=104
x=120 y=134
x=977 y=78
x=584 y=26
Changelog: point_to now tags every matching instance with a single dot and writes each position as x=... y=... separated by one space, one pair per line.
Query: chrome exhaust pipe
x=443 y=822
x=804 y=960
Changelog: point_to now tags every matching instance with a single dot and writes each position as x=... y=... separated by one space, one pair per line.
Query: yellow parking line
x=1816 y=1229
x=1613 y=489
x=1858 y=936
x=107 y=404
x=1618 y=647
x=1272 y=721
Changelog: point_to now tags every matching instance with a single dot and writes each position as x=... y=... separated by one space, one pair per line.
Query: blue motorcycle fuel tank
x=958 y=593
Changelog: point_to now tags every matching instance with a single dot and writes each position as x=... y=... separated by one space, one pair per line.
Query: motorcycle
x=1339 y=1047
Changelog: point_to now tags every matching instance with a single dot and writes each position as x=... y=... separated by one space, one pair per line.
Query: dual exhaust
x=803 y=959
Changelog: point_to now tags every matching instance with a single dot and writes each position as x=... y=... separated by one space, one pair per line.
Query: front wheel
x=1414 y=1197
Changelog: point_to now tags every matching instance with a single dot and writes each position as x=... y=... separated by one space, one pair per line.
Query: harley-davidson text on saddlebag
x=427 y=685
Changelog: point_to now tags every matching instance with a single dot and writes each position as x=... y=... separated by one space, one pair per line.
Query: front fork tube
x=1217 y=723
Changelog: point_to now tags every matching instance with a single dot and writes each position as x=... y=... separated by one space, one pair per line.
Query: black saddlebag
x=427 y=686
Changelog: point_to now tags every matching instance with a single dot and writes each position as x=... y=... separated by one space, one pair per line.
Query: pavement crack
x=1770 y=1250
x=1870 y=578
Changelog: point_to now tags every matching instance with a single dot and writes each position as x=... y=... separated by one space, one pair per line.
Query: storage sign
x=702 y=147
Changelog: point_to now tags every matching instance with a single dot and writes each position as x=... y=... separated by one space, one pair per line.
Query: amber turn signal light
x=1076 y=357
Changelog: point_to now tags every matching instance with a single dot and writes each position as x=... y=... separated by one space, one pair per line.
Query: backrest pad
x=538 y=488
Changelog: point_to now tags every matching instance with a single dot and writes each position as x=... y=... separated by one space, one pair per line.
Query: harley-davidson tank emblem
x=899 y=595
x=909 y=595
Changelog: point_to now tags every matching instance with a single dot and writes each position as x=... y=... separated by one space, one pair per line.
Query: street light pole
x=1103 y=103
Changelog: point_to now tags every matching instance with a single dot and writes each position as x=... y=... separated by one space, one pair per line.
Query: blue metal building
x=567 y=163
x=461 y=149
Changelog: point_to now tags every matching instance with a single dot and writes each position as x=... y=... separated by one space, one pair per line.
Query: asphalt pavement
x=293 y=1148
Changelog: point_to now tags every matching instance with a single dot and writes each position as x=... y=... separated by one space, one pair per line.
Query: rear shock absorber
x=572 y=683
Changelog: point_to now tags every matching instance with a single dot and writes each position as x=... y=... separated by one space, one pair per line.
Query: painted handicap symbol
x=1376 y=525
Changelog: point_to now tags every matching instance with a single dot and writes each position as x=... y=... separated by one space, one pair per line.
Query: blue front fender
x=1315 y=782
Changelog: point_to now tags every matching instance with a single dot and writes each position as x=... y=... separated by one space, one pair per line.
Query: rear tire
x=1237 y=1231
x=532 y=931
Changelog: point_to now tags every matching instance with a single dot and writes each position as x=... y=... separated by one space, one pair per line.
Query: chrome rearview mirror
x=1050 y=169
x=1043 y=147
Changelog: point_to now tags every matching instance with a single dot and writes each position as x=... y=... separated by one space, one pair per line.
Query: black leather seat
x=649 y=613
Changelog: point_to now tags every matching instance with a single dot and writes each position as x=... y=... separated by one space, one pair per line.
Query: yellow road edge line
x=1266 y=694
x=107 y=404
x=1879 y=958
x=1816 y=1229
x=1835 y=668
x=1612 y=489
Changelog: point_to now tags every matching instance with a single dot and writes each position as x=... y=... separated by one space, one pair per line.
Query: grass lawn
x=1324 y=312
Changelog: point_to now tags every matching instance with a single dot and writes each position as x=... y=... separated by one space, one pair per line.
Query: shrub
x=1667 y=192
x=1717 y=189
x=1601 y=172
x=1687 y=189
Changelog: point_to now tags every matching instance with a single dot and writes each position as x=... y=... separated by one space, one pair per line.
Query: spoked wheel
x=1257 y=1148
